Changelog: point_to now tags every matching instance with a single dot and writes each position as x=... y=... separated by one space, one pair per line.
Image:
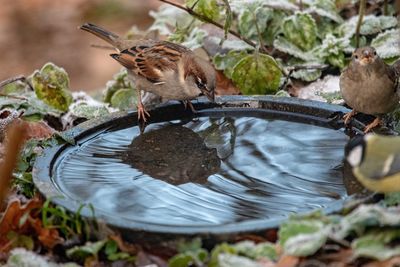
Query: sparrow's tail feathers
x=107 y=36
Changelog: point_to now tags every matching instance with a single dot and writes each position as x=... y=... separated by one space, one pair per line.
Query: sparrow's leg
x=348 y=116
x=187 y=103
x=142 y=112
x=376 y=122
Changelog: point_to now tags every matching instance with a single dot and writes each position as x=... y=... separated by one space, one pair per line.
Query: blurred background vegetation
x=33 y=32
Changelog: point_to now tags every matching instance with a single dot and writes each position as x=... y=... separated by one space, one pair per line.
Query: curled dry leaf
x=124 y=246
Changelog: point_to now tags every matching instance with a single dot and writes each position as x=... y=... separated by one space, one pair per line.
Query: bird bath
x=244 y=166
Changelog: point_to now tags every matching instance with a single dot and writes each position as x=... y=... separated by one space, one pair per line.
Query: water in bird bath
x=206 y=171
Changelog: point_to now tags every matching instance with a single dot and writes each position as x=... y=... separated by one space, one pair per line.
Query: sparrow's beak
x=367 y=57
x=209 y=94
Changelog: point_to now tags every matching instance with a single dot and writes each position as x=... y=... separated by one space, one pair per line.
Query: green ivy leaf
x=387 y=44
x=89 y=249
x=371 y=25
x=257 y=74
x=302 y=238
x=84 y=110
x=228 y=61
x=249 y=17
x=324 y=8
x=167 y=17
x=283 y=45
x=301 y=30
x=124 y=99
x=377 y=245
x=254 y=251
x=332 y=50
x=120 y=81
x=366 y=216
x=307 y=75
x=208 y=8
x=51 y=84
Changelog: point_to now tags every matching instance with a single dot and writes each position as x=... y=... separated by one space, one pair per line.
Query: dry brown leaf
x=287 y=261
x=48 y=237
x=11 y=220
x=124 y=246
x=225 y=86
x=387 y=263
x=38 y=130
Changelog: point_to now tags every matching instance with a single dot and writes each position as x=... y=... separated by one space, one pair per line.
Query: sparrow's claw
x=187 y=103
x=142 y=112
x=375 y=123
x=348 y=116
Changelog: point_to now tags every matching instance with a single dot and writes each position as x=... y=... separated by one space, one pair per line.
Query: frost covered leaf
x=285 y=46
x=301 y=30
x=307 y=75
x=191 y=253
x=89 y=249
x=249 y=17
x=257 y=74
x=16 y=87
x=366 y=216
x=302 y=237
x=237 y=5
x=22 y=257
x=124 y=99
x=120 y=81
x=371 y=25
x=208 y=8
x=229 y=260
x=258 y=251
x=166 y=19
x=387 y=44
x=82 y=109
x=228 y=61
x=332 y=50
x=324 y=8
x=228 y=255
x=377 y=245
x=195 y=38
x=51 y=84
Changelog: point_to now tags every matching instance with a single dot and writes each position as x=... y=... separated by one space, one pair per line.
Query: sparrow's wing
x=151 y=61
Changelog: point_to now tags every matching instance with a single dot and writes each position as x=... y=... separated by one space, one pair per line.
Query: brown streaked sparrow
x=168 y=70
x=368 y=85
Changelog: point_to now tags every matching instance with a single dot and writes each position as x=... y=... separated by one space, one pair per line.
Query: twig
x=361 y=12
x=208 y=20
x=15 y=136
x=301 y=5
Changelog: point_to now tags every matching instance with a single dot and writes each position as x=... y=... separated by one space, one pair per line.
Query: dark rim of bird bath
x=286 y=108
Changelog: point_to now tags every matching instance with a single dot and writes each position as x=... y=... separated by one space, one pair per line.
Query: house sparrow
x=168 y=70
x=369 y=85
x=375 y=161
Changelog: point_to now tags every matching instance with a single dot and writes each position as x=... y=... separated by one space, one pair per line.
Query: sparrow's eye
x=356 y=56
x=374 y=53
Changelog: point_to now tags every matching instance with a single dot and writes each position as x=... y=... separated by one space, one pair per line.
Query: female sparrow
x=168 y=70
x=375 y=161
x=369 y=85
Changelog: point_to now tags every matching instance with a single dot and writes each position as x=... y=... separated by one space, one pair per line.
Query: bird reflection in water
x=174 y=154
